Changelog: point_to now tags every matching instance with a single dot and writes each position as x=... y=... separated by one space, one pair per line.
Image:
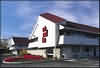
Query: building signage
x=45 y=34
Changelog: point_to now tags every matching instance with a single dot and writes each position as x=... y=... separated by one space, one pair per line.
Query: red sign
x=44 y=28
x=45 y=34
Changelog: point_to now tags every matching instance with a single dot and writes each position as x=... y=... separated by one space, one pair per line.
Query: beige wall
x=41 y=52
x=56 y=53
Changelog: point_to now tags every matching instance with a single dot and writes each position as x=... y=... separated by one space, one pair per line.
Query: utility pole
x=57 y=40
x=55 y=51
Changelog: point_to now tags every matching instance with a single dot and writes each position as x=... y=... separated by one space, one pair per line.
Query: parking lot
x=62 y=63
x=66 y=63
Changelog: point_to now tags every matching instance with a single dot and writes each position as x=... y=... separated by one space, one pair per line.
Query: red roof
x=57 y=19
x=53 y=18
x=83 y=27
x=20 y=40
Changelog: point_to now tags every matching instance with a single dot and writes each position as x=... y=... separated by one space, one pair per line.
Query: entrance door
x=97 y=51
x=75 y=52
x=67 y=52
x=94 y=51
x=49 y=53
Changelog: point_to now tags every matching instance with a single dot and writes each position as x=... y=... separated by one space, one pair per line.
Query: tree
x=3 y=43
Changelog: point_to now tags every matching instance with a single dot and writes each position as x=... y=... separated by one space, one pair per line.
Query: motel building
x=17 y=45
x=55 y=37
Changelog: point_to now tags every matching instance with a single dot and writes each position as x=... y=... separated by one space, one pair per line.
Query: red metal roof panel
x=53 y=18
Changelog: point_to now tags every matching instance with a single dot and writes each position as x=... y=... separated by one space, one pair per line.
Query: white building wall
x=10 y=42
x=61 y=39
x=12 y=48
x=15 y=52
x=56 y=53
x=50 y=39
x=41 y=52
x=61 y=27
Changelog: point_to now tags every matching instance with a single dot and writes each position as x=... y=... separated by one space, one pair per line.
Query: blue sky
x=18 y=17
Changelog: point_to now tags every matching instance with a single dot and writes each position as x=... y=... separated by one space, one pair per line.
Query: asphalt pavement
x=62 y=63
x=56 y=64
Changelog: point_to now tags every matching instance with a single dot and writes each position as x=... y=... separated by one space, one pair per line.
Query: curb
x=14 y=62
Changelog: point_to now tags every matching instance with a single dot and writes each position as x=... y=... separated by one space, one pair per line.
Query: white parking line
x=70 y=60
x=14 y=62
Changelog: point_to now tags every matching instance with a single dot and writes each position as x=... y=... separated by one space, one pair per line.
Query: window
x=33 y=40
x=90 y=36
x=49 y=50
x=86 y=49
x=76 y=49
x=61 y=32
x=68 y=33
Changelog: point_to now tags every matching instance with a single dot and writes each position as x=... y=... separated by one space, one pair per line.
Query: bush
x=23 y=51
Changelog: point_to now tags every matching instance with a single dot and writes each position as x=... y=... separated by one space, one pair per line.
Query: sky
x=18 y=17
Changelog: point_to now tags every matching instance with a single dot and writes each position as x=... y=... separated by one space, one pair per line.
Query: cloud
x=62 y=9
x=64 y=14
x=25 y=12
x=92 y=16
x=91 y=20
x=29 y=12
x=20 y=35
x=29 y=9
x=24 y=9
x=69 y=10
x=5 y=35
x=88 y=4
x=28 y=24
x=63 y=4
x=84 y=12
